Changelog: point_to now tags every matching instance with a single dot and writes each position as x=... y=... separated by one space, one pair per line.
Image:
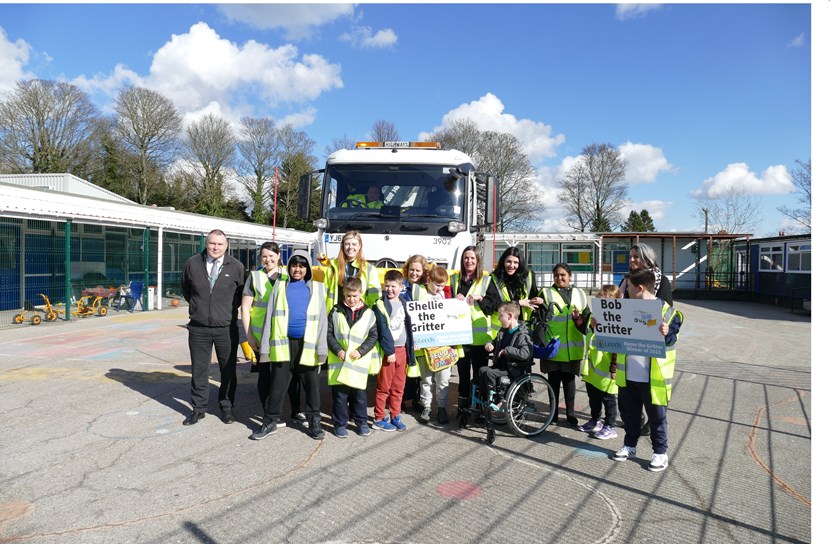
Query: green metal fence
x=55 y=264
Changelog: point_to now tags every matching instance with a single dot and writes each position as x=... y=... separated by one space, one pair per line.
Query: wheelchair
x=526 y=405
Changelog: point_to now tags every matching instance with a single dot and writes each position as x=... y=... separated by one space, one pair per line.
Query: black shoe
x=193 y=418
x=265 y=431
x=227 y=417
x=315 y=430
x=573 y=421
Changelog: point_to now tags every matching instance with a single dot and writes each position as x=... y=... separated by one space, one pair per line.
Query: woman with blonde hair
x=350 y=263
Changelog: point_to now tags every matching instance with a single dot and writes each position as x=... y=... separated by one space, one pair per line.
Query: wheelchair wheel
x=529 y=405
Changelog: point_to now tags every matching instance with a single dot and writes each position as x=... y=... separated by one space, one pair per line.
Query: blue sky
x=699 y=97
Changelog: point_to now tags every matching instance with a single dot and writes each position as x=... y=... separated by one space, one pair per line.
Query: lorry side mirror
x=304 y=197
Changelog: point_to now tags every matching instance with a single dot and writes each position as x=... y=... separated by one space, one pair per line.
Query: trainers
x=591 y=426
x=443 y=418
x=340 y=432
x=363 y=430
x=315 y=430
x=384 y=425
x=398 y=423
x=265 y=431
x=425 y=415
x=606 y=433
x=659 y=462
x=298 y=418
x=625 y=453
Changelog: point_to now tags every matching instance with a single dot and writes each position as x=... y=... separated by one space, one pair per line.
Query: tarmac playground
x=92 y=450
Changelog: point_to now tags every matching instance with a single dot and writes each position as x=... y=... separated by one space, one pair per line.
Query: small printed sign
x=440 y=322
x=629 y=326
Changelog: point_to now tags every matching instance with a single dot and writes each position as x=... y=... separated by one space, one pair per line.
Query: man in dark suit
x=212 y=284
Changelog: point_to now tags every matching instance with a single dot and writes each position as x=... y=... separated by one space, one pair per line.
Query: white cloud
x=798 y=41
x=13 y=57
x=645 y=162
x=363 y=37
x=634 y=11
x=299 y=119
x=774 y=180
x=488 y=114
x=298 y=20
x=109 y=84
x=657 y=209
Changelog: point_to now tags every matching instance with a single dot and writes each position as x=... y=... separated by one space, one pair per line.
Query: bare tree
x=341 y=142
x=211 y=144
x=46 y=127
x=296 y=158
x=384 y=131
x=259 y=150
x=499 y=154
x=802 y=178
x=595 y=190
x=149 y=126
x=734 y=212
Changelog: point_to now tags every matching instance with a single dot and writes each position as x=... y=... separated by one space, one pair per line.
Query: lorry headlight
x=456 y=226
x=321 y=223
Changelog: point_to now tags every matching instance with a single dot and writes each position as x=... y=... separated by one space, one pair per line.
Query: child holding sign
x=438 y=277
x=599 y=371
x=352 y=337
x=646 y=382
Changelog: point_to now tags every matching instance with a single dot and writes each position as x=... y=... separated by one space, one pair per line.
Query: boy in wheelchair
x=513 y=348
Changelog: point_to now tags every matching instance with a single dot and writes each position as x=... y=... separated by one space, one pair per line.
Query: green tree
x=259 y=150
x=638 y=222
x=211 y=145
x=296 y=158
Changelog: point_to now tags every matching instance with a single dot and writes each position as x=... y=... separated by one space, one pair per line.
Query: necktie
x=214 y=273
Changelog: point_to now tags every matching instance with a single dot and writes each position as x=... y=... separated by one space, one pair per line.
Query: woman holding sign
x=470 y=285
x=567 y=318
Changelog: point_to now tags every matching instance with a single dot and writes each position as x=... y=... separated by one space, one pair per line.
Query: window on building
x=579 y=256
x=541 y=257
x=799 y=258
x=772 y=258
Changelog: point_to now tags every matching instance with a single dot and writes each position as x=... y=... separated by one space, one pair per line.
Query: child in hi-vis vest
x=647 y=381
x=352 y=336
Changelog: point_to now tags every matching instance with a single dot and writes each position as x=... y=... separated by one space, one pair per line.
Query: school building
x=63 y=238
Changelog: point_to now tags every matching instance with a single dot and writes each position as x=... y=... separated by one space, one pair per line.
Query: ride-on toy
x=48 y=312
x=85 y=308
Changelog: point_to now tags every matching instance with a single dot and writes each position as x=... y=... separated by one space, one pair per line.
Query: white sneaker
x=625 y=453
x=659 y=462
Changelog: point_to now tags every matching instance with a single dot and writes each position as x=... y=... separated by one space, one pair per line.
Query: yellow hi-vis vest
x=596 y=368
x=661 y=371
x=572 y=342
x=355 y=374
x=259 y=307
x=482 y=331
x=495 y=326
x=359 y=201
x=368 y=278
x=278 y=343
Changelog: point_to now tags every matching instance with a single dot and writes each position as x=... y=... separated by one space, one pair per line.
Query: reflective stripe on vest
x=572 y=342
x=482 y=329
x=495 y=326
x=661 y=371
x=368 y=279
x=259 y=307
x=597 y=369
x=279 y=345
x=355 y=374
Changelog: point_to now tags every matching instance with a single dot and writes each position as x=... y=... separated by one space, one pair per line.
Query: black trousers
x=475 y=357
x=280 y=376
x=202 y=341
x=306 y=378
x=597 y=399
x=568 y=382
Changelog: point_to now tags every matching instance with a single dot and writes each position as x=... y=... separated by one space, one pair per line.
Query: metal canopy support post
x=66 y=266
x=146 y=268
x=159 y=269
